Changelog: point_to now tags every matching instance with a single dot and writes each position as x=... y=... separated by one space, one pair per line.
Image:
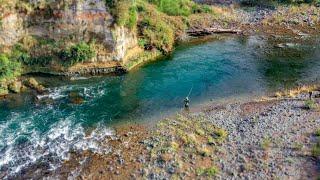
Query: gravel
x=274 y=143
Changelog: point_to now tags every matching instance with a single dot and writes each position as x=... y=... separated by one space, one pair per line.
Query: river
x=45 y=129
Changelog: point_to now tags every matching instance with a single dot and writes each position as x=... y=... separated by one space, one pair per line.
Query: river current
x=77 y=115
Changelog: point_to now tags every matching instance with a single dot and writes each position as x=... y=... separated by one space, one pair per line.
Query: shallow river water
x=44 y=131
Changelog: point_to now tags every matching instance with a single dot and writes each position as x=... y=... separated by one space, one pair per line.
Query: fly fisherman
x=186 y=102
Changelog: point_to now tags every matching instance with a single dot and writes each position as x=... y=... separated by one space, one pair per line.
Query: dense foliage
x=9 y=68
x=124 y=11
x=77 y=53
x=34 y=51
x=180 y=7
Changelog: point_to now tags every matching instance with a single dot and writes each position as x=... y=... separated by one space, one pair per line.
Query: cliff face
x=72 y=21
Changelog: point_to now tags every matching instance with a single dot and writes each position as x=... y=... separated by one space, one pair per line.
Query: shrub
x=159 y=35
x=77 y=53
x=310 y=104
x=34 y=51
x=175 y=8
x=9 y=68
x=180 y=7
x=220 y=134
x=142 y=42
x=266 y=144
x=315 y=151
x=124 y=11
x=211 y=171
x=157 y=29
x=133 y=18
x=19 y=53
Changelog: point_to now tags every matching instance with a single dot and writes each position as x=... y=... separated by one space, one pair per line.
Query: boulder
x=33 y=84
x=75 y=98
x=15 y=87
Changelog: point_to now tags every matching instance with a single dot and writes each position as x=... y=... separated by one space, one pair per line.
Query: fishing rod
x=190 y=91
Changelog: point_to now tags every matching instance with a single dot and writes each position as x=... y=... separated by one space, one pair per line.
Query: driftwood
x=208 y=31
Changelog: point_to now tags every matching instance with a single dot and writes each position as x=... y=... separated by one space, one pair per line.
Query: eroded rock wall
x=72 y=21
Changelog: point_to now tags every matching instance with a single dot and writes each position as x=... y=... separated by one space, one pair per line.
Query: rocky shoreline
x=265 y=139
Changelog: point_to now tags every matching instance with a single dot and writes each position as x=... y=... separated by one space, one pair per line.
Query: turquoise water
x=44 y=129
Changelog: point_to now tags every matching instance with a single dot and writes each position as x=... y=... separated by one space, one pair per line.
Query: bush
x=310 y=104
x=180 y=7
x=77 y=53
x=34 y=51
x=210 y=172
x=142 y=42
x=315 y=151
x=159 y=34
x=9 y=69
x=124 y=11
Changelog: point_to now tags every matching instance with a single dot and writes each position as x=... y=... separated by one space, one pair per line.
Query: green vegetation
x=297 y=146
x=158 y=23
x=124 y=11
x=315 y=151
x=158 y=34
x=77 y=53
x=311 y=104
x=37 y=51
x=180 y=7
x=212 y=171
x=187 y=136
x=317 y=133
x=34 y=51
x=220 y=134
x=9 y=69
x=266 y=144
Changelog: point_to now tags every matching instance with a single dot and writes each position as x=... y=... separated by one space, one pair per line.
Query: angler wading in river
x=187 y=100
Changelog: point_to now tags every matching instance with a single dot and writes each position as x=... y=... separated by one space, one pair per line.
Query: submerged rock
x=75 y=98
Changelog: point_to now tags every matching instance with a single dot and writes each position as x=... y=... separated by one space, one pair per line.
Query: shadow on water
x=289 y=66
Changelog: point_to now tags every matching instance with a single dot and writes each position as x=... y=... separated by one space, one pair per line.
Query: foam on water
x=23 y=144
x=55 y=93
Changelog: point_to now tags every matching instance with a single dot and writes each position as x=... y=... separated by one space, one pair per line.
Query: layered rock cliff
x=68 y=21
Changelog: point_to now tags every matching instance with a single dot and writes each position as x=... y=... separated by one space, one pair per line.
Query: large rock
x=33 y=84
x=15 y=87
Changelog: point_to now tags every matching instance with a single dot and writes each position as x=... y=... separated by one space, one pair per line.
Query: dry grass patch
x=191 y=141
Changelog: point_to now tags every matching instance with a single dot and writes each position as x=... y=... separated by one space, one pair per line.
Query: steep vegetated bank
x=75 y=37
x=71 y=37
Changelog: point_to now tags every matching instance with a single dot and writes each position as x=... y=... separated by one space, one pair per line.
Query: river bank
x=255 y=139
